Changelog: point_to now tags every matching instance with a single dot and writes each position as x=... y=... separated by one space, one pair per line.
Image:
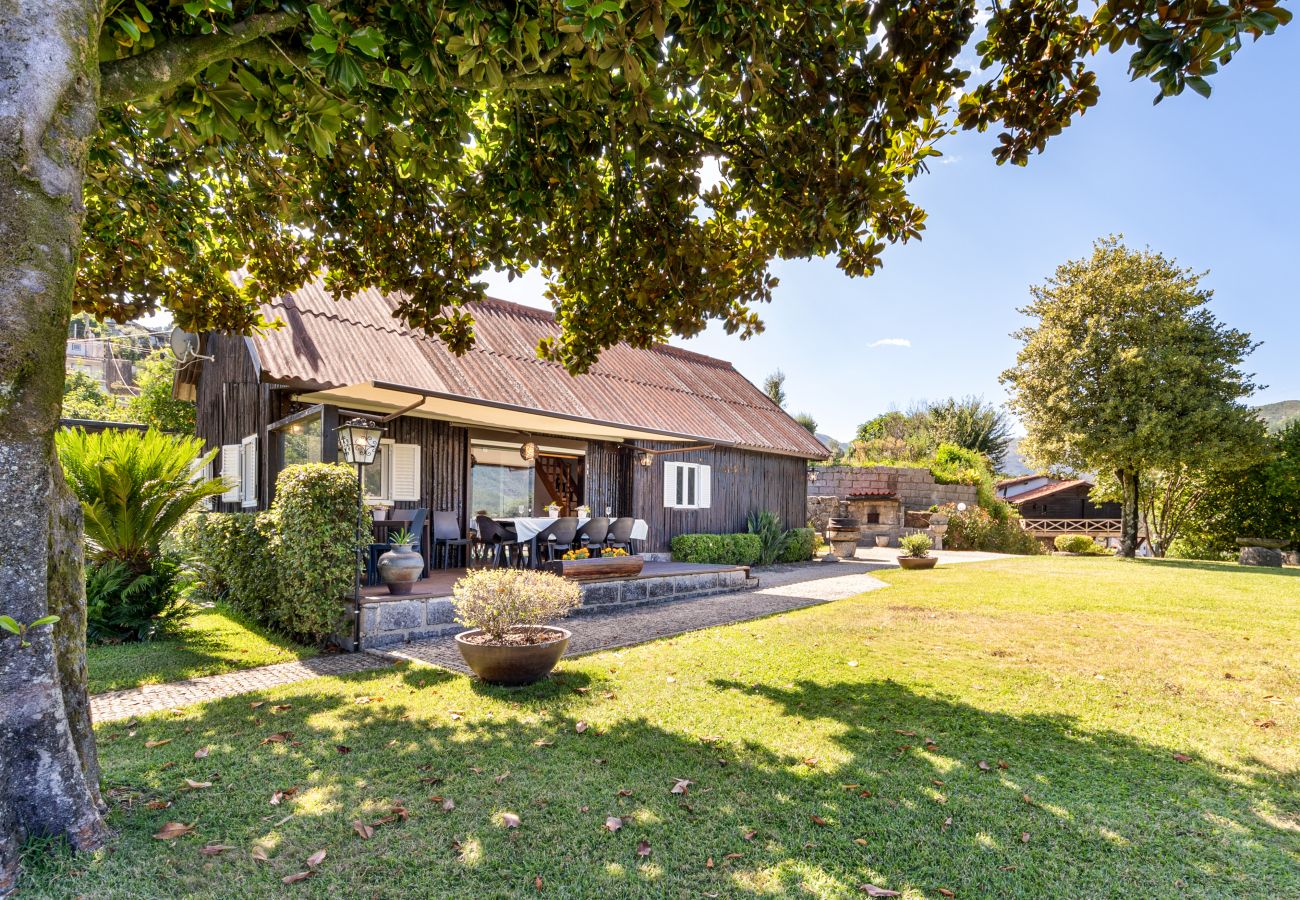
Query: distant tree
x=1169 y=500
x=154 y=405
x=1126 y=371
x=971 y=423
x=807 y=421
x=774 y=387
x=84 y=398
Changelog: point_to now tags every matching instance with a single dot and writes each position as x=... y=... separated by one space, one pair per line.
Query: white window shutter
x=670 y=485
x=230 y=472
x=703 y=492
x=248 y=471
x=406 y=472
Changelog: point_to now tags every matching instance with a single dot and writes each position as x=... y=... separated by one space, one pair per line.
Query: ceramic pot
x=882 y=540
x=400 y=568
x=918 y=562
x=513 y=664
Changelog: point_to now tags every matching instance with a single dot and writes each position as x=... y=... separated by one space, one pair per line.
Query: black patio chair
x=447 y=537
x=593 y=534
x=497 y=544
x=620 y=534
x=557 y=538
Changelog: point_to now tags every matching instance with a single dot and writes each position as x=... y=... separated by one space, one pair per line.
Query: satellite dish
x=184 y=345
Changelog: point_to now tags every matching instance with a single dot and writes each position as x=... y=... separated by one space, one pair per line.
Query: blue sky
x=1212 y=182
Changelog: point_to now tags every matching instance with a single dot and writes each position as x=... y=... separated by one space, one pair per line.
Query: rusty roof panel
x=329 y=343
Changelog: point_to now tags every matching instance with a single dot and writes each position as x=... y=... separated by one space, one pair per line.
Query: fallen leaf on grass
x=364 y=831
x=749 y=835
x=172 y=830
x=1002 y=765
x=810 y=761
x=624 y=792
x=510 y=820
x=201 y=753
x=862 y=842
x=281 y=707
x=1024 y=837
x=197 y=785
x=368 y=700
x=735 y=856
x=682 y=786
x=905 y=733
x=297 y=876
x=279 y=796
x=1265 y=723
x=984 y=766
x=581 y=727
x=945 y=892
x=708 y=863
x=152 y=744
x=158 y=804
x=256 y=703
x=853 y=664
x=343 y=749
x=315 y=859
x=872 y=891
x=610 y=695
x=581 y=690
x=643 y=849
x=259 y=854
x=537 y=882
x=1182 y=757
x=613 y=823
x=947 y=823
x=818 y=820
x=710 y=738
x=279 y=737
x=500 y=778
x=543 y=742
x=215 y=849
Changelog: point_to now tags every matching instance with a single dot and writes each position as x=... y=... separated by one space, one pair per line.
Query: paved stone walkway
x=780 y=590
x=124 y=704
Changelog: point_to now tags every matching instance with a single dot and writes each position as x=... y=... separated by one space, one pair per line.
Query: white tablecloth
x=528 y=527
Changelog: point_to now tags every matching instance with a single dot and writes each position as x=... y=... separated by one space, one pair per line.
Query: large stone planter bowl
x=918 y=562
x=1267 y=543
x=400 y=568
x=513 y=665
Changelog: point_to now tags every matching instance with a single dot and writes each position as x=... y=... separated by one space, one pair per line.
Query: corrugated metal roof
x=330 y=344
x=1047 y=490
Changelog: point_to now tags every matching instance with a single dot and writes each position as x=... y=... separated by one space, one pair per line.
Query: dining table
x=527 y=528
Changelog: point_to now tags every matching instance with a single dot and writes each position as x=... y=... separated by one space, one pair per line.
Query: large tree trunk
x=48 y=110
x=1128 y=527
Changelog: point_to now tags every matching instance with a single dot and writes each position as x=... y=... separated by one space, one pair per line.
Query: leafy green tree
x=83 y=398
x=971 y=423
x=1169 y=500
x=152 y=148
x=774 y=387
x=807 y=421
x=154 y=405
x=1125 y=370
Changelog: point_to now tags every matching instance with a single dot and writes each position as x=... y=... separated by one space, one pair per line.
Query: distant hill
x=1278 y=415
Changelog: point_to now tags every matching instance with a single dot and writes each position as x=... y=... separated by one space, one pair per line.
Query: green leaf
x=129 y=27
x=320 y=19
x=44 y=620
x=368 y=40
x=144 y=11
x=1198 y=84
x=9 y=625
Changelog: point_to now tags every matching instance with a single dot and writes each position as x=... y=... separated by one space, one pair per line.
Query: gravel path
x=780 y=590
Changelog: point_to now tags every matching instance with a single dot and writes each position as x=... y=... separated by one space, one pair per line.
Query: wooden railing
x=1094 y=527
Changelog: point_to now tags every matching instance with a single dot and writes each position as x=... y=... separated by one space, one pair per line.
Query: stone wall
x=916 y=488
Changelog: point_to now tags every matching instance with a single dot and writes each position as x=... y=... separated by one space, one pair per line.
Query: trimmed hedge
x=802 y=546
x=1079 y=543
x=290 y=567
x=717 y=549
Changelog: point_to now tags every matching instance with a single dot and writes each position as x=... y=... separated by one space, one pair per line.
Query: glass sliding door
x=501 y=481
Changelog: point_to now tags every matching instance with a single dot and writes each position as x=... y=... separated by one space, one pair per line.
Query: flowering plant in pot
x=916 y=552
x=505 y=611
x=400 y=566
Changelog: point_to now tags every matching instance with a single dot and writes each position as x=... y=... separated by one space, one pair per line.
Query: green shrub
x=290 y=567
x=772 y=538
x=125 y=605
x=1079 y=543
x=501 y=600
x=717 y=549
x=802 y=546
x=1199 y=548
x=916 y=545
x=974 y=528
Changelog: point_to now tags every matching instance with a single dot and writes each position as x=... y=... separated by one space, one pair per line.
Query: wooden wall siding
x=742 y=482
x=1069 y=504
x=232 y=403
x=444 y=462
x=608 y=478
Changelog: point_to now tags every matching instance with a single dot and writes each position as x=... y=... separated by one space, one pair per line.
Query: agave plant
x=773 y=539
x=134 y=487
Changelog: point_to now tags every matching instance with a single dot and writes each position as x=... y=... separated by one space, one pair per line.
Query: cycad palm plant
x=134 y=488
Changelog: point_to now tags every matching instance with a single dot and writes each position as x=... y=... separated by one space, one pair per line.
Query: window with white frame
x=395 y=473
x=248 y=471
x=686 y=485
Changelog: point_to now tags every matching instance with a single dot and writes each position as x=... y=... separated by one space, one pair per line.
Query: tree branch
x=137 y=78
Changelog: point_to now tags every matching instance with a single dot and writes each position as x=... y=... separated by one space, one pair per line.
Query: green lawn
x=1098 y=730
x=210 y=641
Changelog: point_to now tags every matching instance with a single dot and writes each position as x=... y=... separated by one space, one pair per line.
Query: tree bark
x=48 y=112
x=1130 y=506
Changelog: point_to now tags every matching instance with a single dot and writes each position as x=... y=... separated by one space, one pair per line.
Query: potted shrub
x=400 y=567
x=916 y=552
x=505 y=611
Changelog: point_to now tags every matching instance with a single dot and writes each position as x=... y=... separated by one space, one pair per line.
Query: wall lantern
x=812 y=474
x=528 y=451
x=359 y=441
x=646 y=459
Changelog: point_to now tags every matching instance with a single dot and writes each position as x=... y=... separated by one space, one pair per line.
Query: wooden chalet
x=676 y=438
x=1051 y=506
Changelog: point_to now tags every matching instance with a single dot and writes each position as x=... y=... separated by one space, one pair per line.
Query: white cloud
x=890 y=342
